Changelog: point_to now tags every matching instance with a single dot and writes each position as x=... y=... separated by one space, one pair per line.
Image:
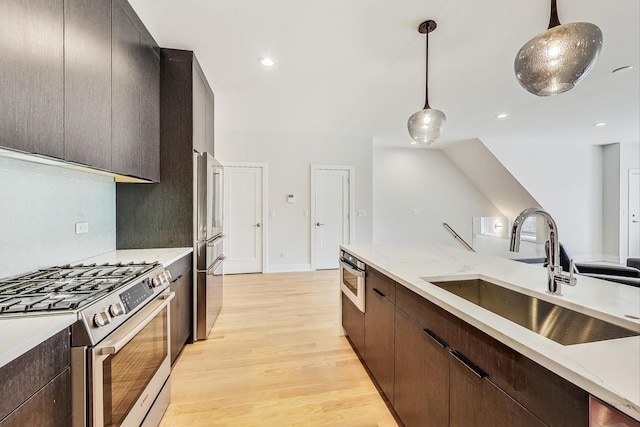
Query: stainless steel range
x=120 y=343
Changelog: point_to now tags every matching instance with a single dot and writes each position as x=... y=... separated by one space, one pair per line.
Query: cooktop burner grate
x=67 y=287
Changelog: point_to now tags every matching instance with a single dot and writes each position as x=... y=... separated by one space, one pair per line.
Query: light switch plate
x=82 y=227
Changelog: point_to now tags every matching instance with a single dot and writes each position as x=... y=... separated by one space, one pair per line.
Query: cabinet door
x=87 y=91
x=421 y=395
x=353 y=324
x=199 y=110
x=150 y=108
x=49 y=407
x=32 y=76
x=181 y=313
x=209 y=137
x=476 y=401
x=379 y=338
x=125 y=109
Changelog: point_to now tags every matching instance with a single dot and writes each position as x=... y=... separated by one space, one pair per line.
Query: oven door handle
x=118 y=345
x=351 y=270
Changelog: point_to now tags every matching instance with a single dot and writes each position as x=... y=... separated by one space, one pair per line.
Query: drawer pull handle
x=379 y=293
x=469 y=364
x=436 y=338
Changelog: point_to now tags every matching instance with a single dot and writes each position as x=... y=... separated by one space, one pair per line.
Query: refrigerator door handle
x=216 y=240
x=211 y=270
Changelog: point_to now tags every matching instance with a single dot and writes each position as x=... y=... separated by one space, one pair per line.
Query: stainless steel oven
x=122 y=378
x=352 y=279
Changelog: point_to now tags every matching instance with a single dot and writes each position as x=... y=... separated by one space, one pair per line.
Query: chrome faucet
x=555 y=276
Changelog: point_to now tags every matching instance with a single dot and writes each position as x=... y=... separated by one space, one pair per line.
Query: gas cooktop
x=66 y=288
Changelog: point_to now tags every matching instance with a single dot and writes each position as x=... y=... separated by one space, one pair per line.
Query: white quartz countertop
x=20 y=334
x=609 y=370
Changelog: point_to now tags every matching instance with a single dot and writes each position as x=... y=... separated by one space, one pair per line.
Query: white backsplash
x=39 y=207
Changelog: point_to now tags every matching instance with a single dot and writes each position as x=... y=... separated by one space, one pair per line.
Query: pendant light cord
x=553 y=18
x=426 y=74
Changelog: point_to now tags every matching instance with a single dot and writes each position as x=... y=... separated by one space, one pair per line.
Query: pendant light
x=426 y=125
x=555 y=61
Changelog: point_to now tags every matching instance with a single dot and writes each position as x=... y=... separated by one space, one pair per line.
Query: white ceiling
x=356 y=67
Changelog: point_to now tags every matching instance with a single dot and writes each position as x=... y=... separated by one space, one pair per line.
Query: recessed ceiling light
x=625 y=68
x=502 y=116
x=266 y=61
x=598 y=124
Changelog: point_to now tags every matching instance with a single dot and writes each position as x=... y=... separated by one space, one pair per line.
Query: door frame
x=265 y=204
x=312 y=216
x=627 y=251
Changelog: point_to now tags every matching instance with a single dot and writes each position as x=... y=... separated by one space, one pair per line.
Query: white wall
x=415 y=190
x=289 y=158
x=566 y=179
x=611 y=201
x=618 y=158
x=40 y=206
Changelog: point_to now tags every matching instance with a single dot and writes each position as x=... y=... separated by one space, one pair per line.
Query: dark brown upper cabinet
x=87 y=90
x=80 y=82
x=136 y=85
x=32 y=76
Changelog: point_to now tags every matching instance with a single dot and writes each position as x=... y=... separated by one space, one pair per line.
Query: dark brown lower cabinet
x=49 y=407
x=379 y=338
x=421 y=395
x=476 y=401
x=181 y=306
x=353 y=324
x=438 y=370
x=36 y=386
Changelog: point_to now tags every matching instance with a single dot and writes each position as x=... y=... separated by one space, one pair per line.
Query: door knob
x=318 y=224
x=258 y=225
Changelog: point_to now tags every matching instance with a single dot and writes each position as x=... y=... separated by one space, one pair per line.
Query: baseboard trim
x=286 y=268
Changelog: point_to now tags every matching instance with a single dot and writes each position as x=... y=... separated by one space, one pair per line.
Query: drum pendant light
x=555 y=61
x=426 y=125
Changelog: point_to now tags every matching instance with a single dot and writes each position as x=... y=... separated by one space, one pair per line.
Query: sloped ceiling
x=356 y=67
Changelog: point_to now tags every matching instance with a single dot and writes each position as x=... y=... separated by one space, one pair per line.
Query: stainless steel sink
x=557 y=323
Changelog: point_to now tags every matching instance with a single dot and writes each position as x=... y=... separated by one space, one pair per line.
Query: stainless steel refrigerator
x=208 y=243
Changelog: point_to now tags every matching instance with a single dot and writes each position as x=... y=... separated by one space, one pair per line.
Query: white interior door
x=634 y=213
x=243 y=219
x=331 y=220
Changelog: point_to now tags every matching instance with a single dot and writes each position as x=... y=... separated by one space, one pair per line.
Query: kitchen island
x=608 y=370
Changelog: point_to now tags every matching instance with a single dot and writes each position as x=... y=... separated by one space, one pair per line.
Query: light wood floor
x=274 y=358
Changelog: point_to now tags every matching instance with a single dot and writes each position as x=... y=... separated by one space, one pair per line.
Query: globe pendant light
x=426 y=125
x=555 y=61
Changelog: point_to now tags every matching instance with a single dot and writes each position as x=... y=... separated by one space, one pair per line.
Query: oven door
x=352 y=284
x=130 y=367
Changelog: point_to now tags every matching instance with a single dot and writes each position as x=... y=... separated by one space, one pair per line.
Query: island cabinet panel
x=32 y=76
x=475 y=401
x=353 y=324
x=38 y=381
x=87 y=90
x=546 y=395
x=379 y=329
x=421 y=394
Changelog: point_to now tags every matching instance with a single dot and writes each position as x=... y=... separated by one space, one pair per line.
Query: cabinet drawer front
x=49 y=407
x=441 y=323
x=381 y=284
x=489 y=407
x=24 y=376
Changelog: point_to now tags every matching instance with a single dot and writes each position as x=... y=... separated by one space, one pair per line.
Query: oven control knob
x=167 y=275
x=116 y=309
x=156 y=282
x=101 y=319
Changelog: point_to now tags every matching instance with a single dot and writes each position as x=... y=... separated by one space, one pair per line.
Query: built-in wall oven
x=352 y=279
